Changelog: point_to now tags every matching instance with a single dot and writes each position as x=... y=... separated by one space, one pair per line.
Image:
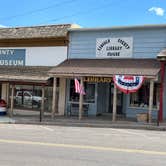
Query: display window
x=89 y=96
x=30 y=97
x=141 y=97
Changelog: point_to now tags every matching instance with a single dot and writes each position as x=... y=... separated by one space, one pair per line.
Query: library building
x=121 y=71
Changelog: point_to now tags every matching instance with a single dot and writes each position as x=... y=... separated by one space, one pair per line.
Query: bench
x=74 y=109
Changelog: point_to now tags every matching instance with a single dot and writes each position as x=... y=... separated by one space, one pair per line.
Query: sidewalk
x=6 y=119
x=85 y=122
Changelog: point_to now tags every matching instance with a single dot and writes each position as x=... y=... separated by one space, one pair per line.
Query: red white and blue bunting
x=128 y=84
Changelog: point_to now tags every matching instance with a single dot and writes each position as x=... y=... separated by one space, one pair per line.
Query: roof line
x=119 y=27
x=35 y=26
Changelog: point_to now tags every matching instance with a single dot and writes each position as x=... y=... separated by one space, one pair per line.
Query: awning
x=106 y=67
x=36 y=74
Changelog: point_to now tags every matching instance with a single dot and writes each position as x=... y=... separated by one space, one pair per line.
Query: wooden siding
x=61 y=41
x=147 y=43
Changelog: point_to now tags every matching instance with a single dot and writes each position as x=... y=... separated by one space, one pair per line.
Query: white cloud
x=159 y=11
x=2 y=26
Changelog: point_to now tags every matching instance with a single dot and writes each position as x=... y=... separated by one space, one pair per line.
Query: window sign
x=114 y=47
x=12 y=57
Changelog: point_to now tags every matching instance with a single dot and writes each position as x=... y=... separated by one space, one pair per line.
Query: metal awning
x=106 y=67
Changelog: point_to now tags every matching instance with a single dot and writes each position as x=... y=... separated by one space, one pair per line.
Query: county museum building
x=26 y=56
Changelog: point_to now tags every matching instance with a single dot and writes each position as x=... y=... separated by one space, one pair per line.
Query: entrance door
x=119 y=100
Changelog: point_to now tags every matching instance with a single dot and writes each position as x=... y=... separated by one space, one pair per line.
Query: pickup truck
x=27 y=98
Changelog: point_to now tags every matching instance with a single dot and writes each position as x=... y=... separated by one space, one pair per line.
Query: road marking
x=131 y=132
x=100 y=148
x=47 y=128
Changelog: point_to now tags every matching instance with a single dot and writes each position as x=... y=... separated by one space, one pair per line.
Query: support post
x=114 y=104
x=11 y=102
x=42 y=104
x=81 y=101
x=160 y=117
x=151 y=100
x=54 y=97
x=7 y=94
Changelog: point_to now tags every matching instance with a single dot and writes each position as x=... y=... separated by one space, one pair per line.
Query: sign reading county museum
x=114 y=47
x=12 y=57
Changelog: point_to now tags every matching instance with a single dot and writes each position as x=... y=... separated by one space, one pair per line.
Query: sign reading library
x=12 y=57
x=114 y=47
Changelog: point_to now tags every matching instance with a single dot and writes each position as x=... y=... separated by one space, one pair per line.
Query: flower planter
x=142 y=117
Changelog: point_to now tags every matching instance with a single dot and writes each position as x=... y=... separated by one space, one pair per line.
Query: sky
x=86 y=13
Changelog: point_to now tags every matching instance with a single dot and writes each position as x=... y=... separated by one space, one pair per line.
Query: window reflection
x=30 y=97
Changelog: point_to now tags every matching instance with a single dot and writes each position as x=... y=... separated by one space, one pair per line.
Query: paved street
x=34 y=145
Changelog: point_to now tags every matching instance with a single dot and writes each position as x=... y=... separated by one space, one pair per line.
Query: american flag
x=78 y=87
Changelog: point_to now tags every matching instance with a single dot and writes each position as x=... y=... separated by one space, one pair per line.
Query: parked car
x=27 y=98
x=3 y=107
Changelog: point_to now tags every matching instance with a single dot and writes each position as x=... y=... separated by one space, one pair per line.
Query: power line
x=89 y=11
x=37 y=10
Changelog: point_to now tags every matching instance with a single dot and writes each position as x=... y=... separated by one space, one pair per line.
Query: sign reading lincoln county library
x=114 y=47
x=12 y=57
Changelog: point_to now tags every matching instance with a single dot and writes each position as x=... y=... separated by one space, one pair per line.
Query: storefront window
x=30 y=97
x=89 y=97
x=141 y=97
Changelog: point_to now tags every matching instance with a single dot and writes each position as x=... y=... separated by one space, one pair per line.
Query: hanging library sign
x=128 y=84
x=97 y=79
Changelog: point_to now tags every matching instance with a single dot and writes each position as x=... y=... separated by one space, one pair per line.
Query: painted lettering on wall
x=12 y=57
x=97 y=79
x=114 y=47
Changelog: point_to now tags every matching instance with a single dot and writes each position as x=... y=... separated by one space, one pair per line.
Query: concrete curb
x=85 y=123
x=98 y=125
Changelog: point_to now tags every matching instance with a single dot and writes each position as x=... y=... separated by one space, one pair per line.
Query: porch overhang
x=106 y=67
x=25 y=74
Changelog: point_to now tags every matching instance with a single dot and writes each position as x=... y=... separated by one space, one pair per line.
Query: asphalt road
x=35 y=145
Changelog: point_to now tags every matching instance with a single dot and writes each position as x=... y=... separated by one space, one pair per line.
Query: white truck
x=27 y=98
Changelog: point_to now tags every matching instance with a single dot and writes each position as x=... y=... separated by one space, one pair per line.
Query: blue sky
x=87 y=13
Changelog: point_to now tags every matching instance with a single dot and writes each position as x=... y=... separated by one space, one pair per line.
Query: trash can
x=3 y=107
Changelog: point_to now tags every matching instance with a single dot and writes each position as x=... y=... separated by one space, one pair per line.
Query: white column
x=62 y=96
x=81 y=101
x=54 y=96
x=114 y=104
x=151 y=101
x=11 y=102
